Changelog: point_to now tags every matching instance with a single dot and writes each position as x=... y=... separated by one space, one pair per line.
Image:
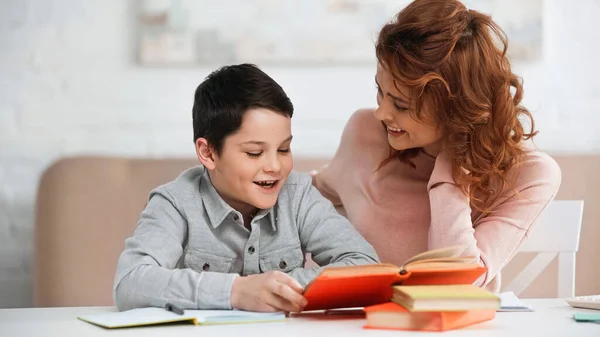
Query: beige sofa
x=87 y=206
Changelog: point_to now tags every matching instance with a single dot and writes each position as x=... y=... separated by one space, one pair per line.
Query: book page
x=441 y=265
x=370 y=269
x=149 y=316
x=135 y=317
x=510 y=302
x=233 y=316
x=448 y=252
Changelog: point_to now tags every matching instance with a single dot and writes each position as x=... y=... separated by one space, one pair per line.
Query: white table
x=552 y=317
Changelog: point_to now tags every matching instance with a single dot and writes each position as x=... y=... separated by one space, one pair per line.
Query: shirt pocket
x=285 y=259
x=202 y=261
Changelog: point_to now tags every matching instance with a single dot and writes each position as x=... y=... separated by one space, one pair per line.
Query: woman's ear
x=205 y=153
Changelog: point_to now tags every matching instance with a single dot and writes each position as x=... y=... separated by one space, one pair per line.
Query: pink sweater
x=403 y=211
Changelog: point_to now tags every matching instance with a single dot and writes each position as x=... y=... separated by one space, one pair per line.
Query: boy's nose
x=273 y=165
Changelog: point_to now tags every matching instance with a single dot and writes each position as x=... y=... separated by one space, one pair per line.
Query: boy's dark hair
x=226 y=94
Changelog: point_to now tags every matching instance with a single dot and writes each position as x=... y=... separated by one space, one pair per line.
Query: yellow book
x=444 y=298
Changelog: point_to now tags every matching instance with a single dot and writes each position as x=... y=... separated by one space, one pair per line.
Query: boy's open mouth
x=268 y=184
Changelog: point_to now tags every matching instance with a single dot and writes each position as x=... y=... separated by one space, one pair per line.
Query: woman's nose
x=382 y=113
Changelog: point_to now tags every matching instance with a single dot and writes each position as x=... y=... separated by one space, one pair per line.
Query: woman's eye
x=402 y=109
x=284 y=150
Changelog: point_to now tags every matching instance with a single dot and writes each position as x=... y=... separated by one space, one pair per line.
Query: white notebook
x=510 y=302
x=152 y=316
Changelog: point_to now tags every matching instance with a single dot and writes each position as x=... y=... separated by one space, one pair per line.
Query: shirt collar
x=217 y=209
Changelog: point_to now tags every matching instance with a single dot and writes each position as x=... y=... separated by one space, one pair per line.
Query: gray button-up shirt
x=190 y=245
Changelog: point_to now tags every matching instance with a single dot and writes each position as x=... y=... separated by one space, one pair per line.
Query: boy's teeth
x=266 y=182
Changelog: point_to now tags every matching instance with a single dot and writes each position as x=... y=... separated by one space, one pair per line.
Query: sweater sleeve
x=494 y=238
x=329 y=237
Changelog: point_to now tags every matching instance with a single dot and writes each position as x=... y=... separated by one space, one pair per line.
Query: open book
x=155 y=316
x=360 y=286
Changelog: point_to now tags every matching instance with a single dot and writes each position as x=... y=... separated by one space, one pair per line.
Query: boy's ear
x=205 y=153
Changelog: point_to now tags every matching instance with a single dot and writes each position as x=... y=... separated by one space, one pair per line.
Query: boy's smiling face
x=254 y=162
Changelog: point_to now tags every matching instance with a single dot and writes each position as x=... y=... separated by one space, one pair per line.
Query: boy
x=233 y=232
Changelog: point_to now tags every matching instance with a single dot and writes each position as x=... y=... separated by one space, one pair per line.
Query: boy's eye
x=253 y=154
x=379 y=92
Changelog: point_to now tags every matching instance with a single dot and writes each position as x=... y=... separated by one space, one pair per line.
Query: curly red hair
x=454 y=60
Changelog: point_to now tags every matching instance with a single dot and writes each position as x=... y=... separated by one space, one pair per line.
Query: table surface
x=551 y=317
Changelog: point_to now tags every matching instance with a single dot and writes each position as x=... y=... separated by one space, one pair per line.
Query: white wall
x=68 y=85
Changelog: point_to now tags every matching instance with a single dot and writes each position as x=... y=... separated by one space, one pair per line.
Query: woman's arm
x=494 y=239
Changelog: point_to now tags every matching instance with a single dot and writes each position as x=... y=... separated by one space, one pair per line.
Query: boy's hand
x=271 y=291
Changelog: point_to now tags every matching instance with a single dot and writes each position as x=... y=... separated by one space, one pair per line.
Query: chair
x=556 y=234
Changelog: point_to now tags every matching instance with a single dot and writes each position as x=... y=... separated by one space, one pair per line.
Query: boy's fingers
x=290 y=281
x=285 y=292
x=266 y=307
x=282 y=304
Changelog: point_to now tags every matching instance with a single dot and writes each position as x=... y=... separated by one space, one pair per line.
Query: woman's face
x=403 y=130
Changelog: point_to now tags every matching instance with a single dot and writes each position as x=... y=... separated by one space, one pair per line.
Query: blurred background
x=116 y=78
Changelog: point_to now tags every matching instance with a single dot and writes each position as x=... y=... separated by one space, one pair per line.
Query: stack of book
x=433 y=308
x=366 y=285
x=430 y=291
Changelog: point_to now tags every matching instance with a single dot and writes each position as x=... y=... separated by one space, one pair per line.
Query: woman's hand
x=271 y=291
x=313 y=175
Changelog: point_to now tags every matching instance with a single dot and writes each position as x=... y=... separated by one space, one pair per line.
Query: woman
x=444 y=159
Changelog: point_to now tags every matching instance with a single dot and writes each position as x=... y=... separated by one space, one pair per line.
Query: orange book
x=361 y=286
x=394 y=317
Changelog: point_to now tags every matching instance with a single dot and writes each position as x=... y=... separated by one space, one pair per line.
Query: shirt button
x=251 y=250
x=236 y=217
x=282 y=264
x=206 y=267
